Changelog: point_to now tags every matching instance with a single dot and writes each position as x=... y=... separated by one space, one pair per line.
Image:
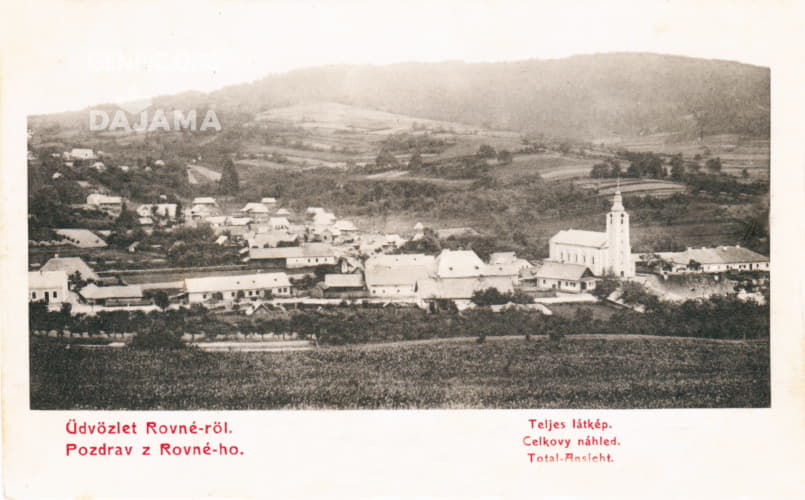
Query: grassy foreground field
x=581 y=372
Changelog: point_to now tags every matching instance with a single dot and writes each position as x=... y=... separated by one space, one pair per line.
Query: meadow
x=584 y=371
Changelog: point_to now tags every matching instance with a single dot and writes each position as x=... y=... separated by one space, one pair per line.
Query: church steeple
x=619 y=254
x=617 y=202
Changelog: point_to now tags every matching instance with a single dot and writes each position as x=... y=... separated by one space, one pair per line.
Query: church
x=607 y=252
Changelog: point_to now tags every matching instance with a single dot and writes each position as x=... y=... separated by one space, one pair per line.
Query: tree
x=385 y=159
x=606 y=286
x=76 y=281
x=489 y=297
x=486 y=151
x=505 y=157
x=677 y=167
x=161 y=299
x=694 y=265
x=229 y=184
x=415 y=163
x=714 y=165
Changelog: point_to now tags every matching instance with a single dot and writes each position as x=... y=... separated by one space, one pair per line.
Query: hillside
x=588 y=97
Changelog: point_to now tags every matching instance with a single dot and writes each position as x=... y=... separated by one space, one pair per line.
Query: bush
x=158 y=338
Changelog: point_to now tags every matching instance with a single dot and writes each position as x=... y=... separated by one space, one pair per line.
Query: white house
x=48 y=286
x=257 y=211
x=104 y=203
x=460 y=273
x=203 y=207
x=397 y=276
x=229 y=288
x=70 y=265
x=715 y=260
x=81 y=154
x=574 y=278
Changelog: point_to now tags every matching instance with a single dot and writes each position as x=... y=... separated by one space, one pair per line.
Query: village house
x=344 y=286
x=111 y=205
x=237 y=227
x=81 y=154
x=271 y=239
x=575 y=278
x=70 y=265
x=122 y=295
x=269 y=202
x=48 y=286
x=165 y=210
x=605 y=252
x=204 y=207
x=231 y=288
x=257 y=211
x=310 y=255
x=510 y=259
x=458 y=274
x=279 y=224
x=396 y=276
x=283 y=212
x=714 y=260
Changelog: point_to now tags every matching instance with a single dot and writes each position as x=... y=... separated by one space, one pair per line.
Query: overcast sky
x=72 y=54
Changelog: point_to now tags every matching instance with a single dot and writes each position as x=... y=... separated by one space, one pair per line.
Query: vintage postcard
x=402 y=250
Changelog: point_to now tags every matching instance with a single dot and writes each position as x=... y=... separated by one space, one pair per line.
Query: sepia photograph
x=370 y=249
x=590 y=231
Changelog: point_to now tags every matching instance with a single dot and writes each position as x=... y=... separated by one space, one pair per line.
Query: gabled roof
x=580 y=238
x=343 y=280
x=255 y=208
x=70 y=265
x=95 y=292
x=345 y=225
x=283 y=211
x=236 y=282
x=396 y=260
x=459 y=263
x=204 y=200
x=47 y=279
x=268 y=200
x=717 y=255
x=561 y=271
x=306 y=251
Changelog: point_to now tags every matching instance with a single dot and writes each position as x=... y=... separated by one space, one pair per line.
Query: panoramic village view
x=589 y=232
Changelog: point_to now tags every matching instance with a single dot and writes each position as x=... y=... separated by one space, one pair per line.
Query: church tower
x=619 y=253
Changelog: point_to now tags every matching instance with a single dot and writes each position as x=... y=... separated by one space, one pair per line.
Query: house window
x=33 y=295
x=55 y=295
x=204 y=296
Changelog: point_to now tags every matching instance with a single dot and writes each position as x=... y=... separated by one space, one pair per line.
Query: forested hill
x=583 y=97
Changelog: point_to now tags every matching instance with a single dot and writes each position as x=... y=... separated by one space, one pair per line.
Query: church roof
x=580 y=238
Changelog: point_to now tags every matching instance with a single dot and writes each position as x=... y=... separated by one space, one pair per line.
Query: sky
x=75 y=53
